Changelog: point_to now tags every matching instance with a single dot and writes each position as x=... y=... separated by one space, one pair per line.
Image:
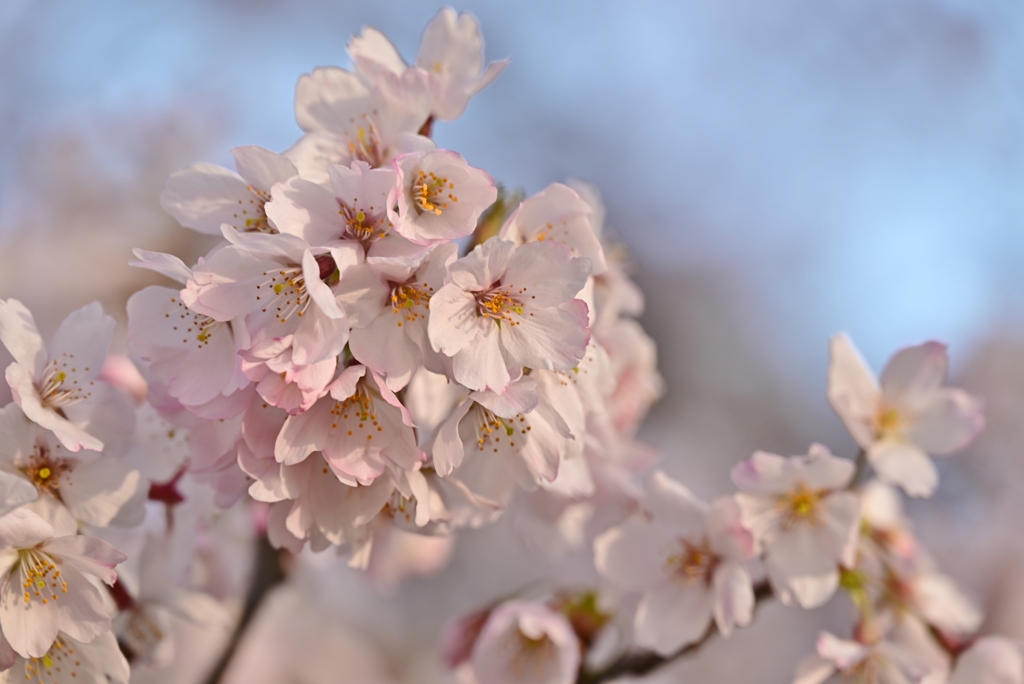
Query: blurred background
x=779 y=171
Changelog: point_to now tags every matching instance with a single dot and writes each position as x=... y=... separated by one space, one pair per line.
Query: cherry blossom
x=54 y=385
x=802 y=518
x=906 y=415
x=204 y=197
x=523 y=641
x=687 y=559
x=353 y=210
x=557 y=213
x=451 y=53
x=67 y=660
x=506 y=307
x=438 y=196
x=883 y=662
x=44 y=589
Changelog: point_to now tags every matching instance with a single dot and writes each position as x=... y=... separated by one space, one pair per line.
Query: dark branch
x=267 y=574
x=640 y=664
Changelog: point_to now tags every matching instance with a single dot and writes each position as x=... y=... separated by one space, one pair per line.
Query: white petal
x=204 y=196
x=673 y=616
x=23 y=529
x=852 y=389
x=262 y=168
x=634 y=555
x=675 y=507
x=905 y=465
x=950 y=421
x=19 y=334
x=734 y=597
x=799 y=568
x=913 y=374
x=95 y=492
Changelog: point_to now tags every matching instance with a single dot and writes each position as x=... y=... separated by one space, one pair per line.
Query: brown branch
x=644 y=663
x=267 y=574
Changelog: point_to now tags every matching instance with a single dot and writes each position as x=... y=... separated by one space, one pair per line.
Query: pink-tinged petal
x=672 y=616
x=23 y=529
x=482 y=366
x=314 y=152
x=277 y=533
x=839 y=526
x=71 y=436
x=204 y=196
x=88 y=554
x=307 y=210
x=546 y=273
x=845 y=654
x=448 y=449
x=914 y=374
x=635 y=555
x=324 y=98
x=942 y=604
x=557 y=214
x=554 y=339
x=501 y=653
x=481 y=268
x=821 y=470
x=800 y=569
x=390 y=397
x=344 y=386
x=814 y=670
x=303 y=434
x=383 y=347
x=763 y=473
x=905 y=465
x=675 y=507
x=95 y=492
x=438 y=196
x=282 y=246
x=262 y=168
x=362 y=294
x=761 y=515
x=30 y=628
x=164 y=264
x=8 y=656
x=80 y=611
x=947 y=423
x=734 y=597
x=726 y=533
x=321 y=295
x=991 y=660
x=362 y=187
x=852 y=390
x=520 y=397
x=19 y=334
x=454 y=323
x=108 y=415
x=80 y=345
x=373 y=52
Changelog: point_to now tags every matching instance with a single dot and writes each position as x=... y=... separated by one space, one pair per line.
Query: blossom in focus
x=801 y=518
x=526 y=642
x=54 y=385
x=67 y=660
x=44 y=585
x=204 y=197
x=451 y=54
x=506 y=307
x=438 y=196
x=687 y=559
x=906 y=415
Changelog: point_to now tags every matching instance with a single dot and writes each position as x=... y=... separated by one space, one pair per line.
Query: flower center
x=365 y=227
x=491 y=429
x=889 y=422
x=432 y=194
x=258 y=222
x=499 y=305
x=286 y=291
x=40 y=577
x=45 y=470
x=59 y=658
x=801 y=504
x=367 y=145
x=57 y=389
x=693 y=561
x=407 y=297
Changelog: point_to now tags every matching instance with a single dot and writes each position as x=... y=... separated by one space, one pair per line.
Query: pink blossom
x=526 y=642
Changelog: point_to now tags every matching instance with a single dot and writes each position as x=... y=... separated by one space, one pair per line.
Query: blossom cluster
x=382 y=347
x=801 y=529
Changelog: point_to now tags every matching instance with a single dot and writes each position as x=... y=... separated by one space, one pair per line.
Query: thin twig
x=639 y=664
x=267 y=574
